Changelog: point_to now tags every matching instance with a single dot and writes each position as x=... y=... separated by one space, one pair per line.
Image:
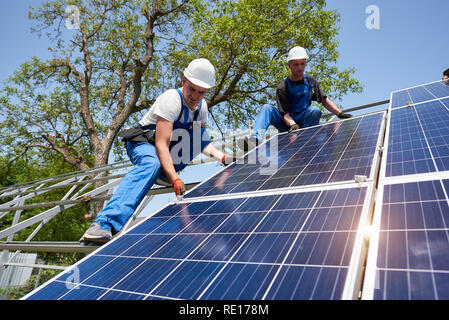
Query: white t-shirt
x=168 y=106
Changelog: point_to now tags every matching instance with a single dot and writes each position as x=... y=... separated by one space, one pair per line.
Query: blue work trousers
x=141 y=177
x=270 y=115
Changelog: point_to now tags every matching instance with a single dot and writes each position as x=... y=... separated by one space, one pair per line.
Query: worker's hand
x=293 y=127
x=228 y=159
x=179 y=187
x=343 y=115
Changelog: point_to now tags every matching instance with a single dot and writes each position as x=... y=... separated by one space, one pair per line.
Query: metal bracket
x=409 y=104
x=380 y=149
x=360 y=179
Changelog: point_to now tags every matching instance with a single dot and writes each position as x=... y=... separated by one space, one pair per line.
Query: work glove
x=343 y=115
x=228 y=159
x=179 y=187
x=293 y=127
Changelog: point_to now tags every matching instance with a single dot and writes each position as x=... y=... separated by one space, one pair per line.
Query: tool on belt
x=138 y=134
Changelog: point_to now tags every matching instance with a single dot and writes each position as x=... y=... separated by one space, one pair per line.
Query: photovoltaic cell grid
x=418 y=139
x=290 y=246
x=318 y=155
x=412 y=258
x=420 y=94
x=412 y=246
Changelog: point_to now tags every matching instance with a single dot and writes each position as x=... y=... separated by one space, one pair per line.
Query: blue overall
x=301 y=110
x=147 y=167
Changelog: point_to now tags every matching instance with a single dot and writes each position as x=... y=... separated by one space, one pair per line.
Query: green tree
x=19 y=292
x=76 y=102
x=248 y=40
x=68 y=225
x=125 y=53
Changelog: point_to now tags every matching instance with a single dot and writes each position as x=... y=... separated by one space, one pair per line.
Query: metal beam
x=40 y=266
x=5 y=192
x=46 y=246
x=32 y=193
x=77 y=201
x=369 y=105
x=51 y=212
x=64 y=184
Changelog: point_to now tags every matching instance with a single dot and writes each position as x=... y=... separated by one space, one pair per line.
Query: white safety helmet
x=297 y=53
x=201 y=72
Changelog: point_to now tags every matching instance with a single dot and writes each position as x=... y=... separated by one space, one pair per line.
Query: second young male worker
x=294 y=96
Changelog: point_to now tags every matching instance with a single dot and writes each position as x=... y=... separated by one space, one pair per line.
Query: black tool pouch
x=137 y=134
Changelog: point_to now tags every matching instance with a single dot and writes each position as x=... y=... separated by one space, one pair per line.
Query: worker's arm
x=212 y=152
x=329 y=105
x=288 y=120
x=225 y=159
x=164 y=129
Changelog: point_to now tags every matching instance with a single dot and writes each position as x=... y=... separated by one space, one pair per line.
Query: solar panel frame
x=426 y=154
x=433 y=90
x=97 y=284
x=292 y=180
x=354 y=272
x=374 y=273
x=375 y=276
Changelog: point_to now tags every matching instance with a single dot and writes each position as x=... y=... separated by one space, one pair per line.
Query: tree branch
x=86 y=57
x=78 y=162
x=25 y=150
x=123 y=87
x=225 y=96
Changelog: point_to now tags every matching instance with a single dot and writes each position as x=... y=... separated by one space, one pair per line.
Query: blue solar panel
x=298 y=244
x=412 y=258
x=290 y=246
x=419 y=139
x=317 y=155
x=408 y=253
x=420 y=94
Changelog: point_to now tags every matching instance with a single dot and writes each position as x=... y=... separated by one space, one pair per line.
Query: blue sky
x=410 y=47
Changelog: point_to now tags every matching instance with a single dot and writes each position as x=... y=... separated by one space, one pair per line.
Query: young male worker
x=169 y=136
x=294 y=96
x=446 y=76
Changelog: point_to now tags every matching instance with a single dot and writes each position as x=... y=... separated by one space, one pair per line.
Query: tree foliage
x=16 y=293
x=68 y=225
x=126 y=53
x=248 y=40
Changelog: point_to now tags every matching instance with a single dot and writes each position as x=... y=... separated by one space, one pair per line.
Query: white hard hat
x=201 y=72
x=297 y=53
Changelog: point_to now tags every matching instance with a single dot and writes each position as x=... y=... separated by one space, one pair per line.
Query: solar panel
x=419 y=94
x=323 y=154
x=289 y=222
x=298 y=245
x=297 y=237
x=408 y=256
x=418 y=139
x=409 y=246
